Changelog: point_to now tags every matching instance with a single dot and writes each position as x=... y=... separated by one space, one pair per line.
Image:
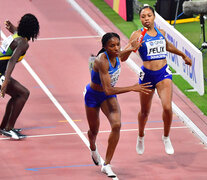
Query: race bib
x=156 y=49
x=168 y=70
x=141 y=75
x=84 y=92
x=114 y=77
x=5 y=44
x=91 y=62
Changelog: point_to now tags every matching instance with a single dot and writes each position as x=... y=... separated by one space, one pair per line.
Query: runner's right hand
x=144 y=88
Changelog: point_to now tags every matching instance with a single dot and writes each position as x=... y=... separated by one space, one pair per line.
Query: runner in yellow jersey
x=12 y=50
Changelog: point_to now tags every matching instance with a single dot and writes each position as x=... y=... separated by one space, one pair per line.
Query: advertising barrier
x=123 y=7
x=193 y=74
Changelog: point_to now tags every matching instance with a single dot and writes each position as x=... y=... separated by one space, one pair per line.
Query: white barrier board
x=193 y=74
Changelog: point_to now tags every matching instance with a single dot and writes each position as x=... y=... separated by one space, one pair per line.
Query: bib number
x=141 y=75
x=84 y=92
x=168 y=70
x=5 y=44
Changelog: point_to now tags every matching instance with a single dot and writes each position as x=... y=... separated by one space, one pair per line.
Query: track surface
x=53 y=150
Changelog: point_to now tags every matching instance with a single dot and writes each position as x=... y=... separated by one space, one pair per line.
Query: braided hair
x=106 y=37
x=28 y=27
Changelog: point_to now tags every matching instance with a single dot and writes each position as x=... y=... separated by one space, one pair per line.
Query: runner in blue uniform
x=12 y=50
x=101 y=94
x=156 y=70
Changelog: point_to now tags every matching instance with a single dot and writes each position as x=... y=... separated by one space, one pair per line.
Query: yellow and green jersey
x=5 y=55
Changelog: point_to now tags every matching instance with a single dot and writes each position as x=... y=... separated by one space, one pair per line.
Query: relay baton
x=142 y=35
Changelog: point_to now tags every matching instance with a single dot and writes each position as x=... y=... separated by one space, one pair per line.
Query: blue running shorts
x=95 y=98
x=155 y=76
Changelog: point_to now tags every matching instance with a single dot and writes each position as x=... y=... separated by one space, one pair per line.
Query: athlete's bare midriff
x=96 y=87
x=155 y=65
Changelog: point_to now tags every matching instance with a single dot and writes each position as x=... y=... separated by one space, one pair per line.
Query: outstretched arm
x=171 y=48
x=106 y=81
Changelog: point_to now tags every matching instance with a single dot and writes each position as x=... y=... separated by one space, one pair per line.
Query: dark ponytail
x=106 y=37
x=101 y=51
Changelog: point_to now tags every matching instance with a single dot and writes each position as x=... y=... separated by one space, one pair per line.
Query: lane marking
x=55 y=102
x=52 y=98
x=106 y=131
x=68 y=37
x=155 y=121
x=41 y=127
x=55 y=167
x=67 y=121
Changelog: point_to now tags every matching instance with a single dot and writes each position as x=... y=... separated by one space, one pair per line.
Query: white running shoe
x=96 y=157
x=168 y=146
x=140 y=145
x=108 y=171
x=10 y=133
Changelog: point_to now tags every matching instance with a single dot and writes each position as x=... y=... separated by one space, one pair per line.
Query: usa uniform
x=95 y=98
x=152 y=49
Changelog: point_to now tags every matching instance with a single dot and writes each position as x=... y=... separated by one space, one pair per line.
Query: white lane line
x=107 y=131
x=86 y=17
x=55 y=102
x=69 y=37
x=137 y=70
x=52 y=98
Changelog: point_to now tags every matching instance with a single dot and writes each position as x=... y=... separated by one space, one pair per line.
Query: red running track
x=53 y=150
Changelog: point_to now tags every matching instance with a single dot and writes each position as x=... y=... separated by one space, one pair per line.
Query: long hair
x=106 y=37
x=28 y=27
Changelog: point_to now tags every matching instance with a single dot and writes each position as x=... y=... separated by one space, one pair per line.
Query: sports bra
x=114 y=72
x=153 y=48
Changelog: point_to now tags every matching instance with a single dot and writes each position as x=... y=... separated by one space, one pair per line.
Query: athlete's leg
x=164 y=90
x=6 y=114
x=111 y=109
x=92 y=114
x=19 y=95
x=145 y=102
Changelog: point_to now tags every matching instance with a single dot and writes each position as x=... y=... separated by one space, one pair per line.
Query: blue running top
x=114 y=72
x=153 y=48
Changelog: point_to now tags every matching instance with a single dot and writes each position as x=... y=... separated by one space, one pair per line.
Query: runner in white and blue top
x=156 y=71
x=95 y=78
x=101 y=94
x=153 y=47
x=113 y=72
